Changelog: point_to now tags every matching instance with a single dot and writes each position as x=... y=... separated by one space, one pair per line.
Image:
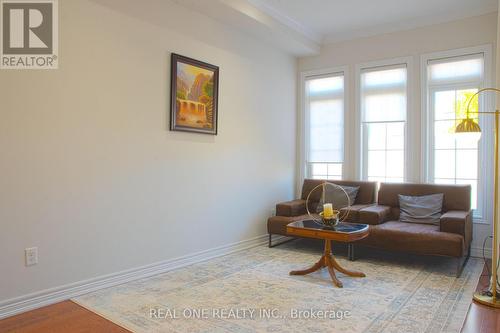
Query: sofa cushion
x=415 y=238
x=353 y=215
x=291 y=208
x=421 y=209
x=366 y=193
x=375 y=214
x=456 y=197
x=277 y=224
x=395 y=213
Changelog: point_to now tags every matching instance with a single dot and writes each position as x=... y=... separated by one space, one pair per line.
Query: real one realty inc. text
x=247 y=313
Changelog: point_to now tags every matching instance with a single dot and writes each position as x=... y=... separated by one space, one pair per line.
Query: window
x=400 y=133
x=383 y=122
x=324 y=113
x=451 y=82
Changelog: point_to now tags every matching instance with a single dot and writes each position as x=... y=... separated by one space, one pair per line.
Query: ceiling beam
x=254 y=18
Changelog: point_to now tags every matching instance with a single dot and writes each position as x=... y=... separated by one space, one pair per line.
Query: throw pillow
x=337 y=196
x=421 y=209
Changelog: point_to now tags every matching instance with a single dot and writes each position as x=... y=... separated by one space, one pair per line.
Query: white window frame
x=362 y=164
x=304 y=117
x=483 y=213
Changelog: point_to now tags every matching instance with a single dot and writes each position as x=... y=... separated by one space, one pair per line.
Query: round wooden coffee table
x=343 y=232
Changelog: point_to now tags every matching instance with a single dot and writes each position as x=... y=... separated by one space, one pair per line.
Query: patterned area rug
x=251 y=291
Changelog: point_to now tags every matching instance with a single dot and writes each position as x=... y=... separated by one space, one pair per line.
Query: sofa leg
x=461 y=262
x=270 y=241
x=350 y=251
x=459 y=267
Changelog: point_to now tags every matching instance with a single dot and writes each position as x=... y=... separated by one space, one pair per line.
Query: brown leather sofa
x=295 y=210
x=452 y=237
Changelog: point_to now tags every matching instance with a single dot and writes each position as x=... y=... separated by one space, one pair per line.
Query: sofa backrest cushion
x=456 y=197
x=366 y=193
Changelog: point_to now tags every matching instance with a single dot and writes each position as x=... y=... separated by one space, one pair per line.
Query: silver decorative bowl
x=329 y=222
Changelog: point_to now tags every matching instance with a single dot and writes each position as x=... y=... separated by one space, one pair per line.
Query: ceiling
x=334 y=20
x=301 y=27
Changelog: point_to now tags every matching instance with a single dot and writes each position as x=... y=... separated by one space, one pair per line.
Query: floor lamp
x=470 y=128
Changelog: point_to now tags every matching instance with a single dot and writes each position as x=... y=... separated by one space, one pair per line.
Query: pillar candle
x=328 y=211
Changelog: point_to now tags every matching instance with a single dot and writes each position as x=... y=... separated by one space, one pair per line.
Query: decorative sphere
x=328 y=204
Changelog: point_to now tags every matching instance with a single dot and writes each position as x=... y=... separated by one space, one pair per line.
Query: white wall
x=411 y=43
x=90 y=173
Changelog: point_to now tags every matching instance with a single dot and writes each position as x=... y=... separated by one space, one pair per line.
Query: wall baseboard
x=36 y=300
x=478 y=252
x=45 y=297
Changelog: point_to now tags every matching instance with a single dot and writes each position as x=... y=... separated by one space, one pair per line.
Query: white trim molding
x=287 y=20
x=477 y=252
x=35 y=300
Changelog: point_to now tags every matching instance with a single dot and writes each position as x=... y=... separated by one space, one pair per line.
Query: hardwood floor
x=69 y=317
x=480 y=318
x=64 y=317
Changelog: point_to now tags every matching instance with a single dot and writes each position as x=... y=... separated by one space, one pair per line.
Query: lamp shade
x=468 y=129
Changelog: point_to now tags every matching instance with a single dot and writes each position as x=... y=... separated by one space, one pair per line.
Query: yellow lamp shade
x=468 y=130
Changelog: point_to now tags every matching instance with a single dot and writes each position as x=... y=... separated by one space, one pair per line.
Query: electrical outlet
x=31 y=256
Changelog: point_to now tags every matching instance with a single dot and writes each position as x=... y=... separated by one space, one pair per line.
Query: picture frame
x=194 y=87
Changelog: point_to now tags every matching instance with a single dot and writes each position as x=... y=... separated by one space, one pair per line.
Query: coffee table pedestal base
x=328 y=261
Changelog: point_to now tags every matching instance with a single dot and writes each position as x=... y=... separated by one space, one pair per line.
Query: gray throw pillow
x=337 y=196
x=422 y=209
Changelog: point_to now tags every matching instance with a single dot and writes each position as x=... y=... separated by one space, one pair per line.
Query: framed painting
x=193 y=98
